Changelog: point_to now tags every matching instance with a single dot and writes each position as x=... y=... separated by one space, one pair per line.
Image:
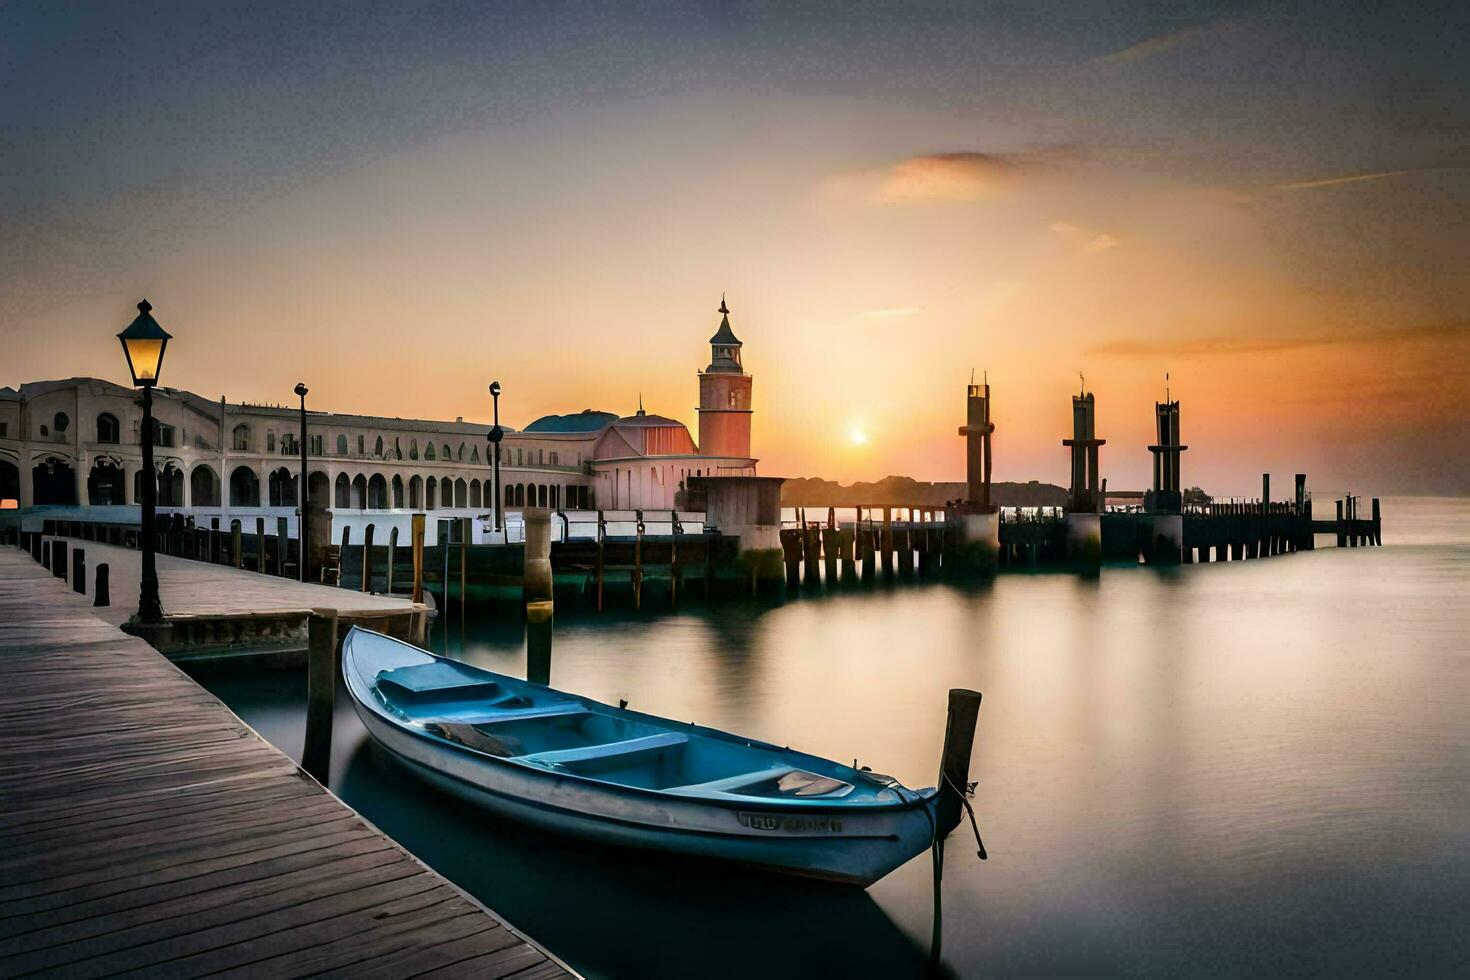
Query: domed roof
x=586 y=420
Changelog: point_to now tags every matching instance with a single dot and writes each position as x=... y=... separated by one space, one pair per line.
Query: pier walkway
x=146 y=829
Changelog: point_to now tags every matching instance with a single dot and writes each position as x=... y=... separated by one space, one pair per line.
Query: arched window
x=270 y=442
x=342 y=492
x=341 y=445
x=474 y=454
x=281 y=487
x=361 y=444
x=461 y=452
x=553 y=459
x=461 y=493
x=447 y=454
x=415 y=492
x=108 y=430
x=413 y=449
x=541 y=495
x=203 y=487
x=171 y=487
x=105 y=483
x=377 y=493
x=430 y=486
x=509 y=497
x=378 y=448
x=240 y=440
x=244 y=488
x=474 y=493
x=555 y=497
x=429 y=451
x=60 y=422
x=359 y=492
x=397 y=492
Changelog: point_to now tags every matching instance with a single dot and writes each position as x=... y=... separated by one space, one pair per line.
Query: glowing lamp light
x=144 y=343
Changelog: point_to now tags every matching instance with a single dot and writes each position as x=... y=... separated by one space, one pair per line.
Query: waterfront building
x=77 y=443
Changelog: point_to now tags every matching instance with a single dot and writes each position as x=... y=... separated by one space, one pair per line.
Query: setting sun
x=857 y=436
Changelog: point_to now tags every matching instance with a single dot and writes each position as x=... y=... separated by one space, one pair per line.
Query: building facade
x=78 y=442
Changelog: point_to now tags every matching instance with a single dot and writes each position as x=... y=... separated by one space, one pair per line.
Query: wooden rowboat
x=576 y=766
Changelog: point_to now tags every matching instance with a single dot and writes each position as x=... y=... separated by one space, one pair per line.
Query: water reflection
x=1259 y=766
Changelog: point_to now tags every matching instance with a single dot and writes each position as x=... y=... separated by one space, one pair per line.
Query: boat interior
x=545 y=729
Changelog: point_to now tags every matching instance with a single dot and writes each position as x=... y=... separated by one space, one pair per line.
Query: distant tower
x=724 y=396
x=1086 y=497
x=977 y=431
x=1166 y=497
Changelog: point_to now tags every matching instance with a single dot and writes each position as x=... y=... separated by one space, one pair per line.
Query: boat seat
x=477 y=715
x=608 y=750
x=784 y=781
x=441 y=681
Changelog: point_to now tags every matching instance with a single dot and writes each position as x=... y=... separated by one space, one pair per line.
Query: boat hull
x=848 y=845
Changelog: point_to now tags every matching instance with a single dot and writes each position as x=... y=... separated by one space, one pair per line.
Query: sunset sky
x=397 y=204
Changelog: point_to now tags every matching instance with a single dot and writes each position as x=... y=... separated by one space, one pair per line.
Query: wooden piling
x=1341 y=531
x=829 y=554
x=416 y=534
x=638 y=562
x=885 y=544
x=79 y=571
x=321 y=692
x=392 y=558
x=283 y=546
x=811 y=546
x=601 y=544
x=539 y=620
x=954 y=764
x=674 y=529
x=1377 y=523
x=367 y=559
x=58 y=559
x=100 y=594
x=445 y=538
x=260 y=545
x=465 y=531
x=846 y=542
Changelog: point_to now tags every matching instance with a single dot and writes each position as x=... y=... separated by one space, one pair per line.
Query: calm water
x=1221 y=769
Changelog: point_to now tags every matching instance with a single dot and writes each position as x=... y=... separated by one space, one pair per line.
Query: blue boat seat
x=780 y=782
x=443 y=681
x=608 y=750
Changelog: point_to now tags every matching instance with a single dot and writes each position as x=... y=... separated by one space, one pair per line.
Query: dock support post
x=885 y=544
x=235 y=553
x=283 y=546
x=416 y=533
x=100 y=596
x=829 y=554
x=58 y=559
x=260 y=545
x=638 y=561
x=367 y=559
x=811 y=545
x=536 y=578
x=321 y=692
x=445 y=536
x=465 y=531
x=539 y=617
x=954 y=765
x=601 y=541
x=79 y=571
x=1341 y=534
x=392 y=557
x=846 y=542
x=674 y=574
x=1377 y=523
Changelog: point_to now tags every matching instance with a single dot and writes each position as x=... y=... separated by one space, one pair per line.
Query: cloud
x=1154 y=45
x=959 y=176
x=1090 y=244
x=1298 y=185
x=1244 y=345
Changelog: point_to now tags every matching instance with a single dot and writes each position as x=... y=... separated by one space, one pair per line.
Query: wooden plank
x=144 y=828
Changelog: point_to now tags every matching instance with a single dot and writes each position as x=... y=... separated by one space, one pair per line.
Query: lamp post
x=143 y=343
x=496 y=434
x=302 y=521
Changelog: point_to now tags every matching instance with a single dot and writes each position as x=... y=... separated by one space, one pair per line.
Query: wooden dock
x=146 y=829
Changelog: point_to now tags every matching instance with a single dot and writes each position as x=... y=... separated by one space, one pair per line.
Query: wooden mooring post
x=260 y=545
x=601 y=545
x=237 y=554
x=321 y=692
x=392 y=557
x=79 y=571
x=954 y=764
x=885 y=544
x=466 y=529
x=367 y=559
x=830 y=547
x=58 y=559
x=283 y=546
x=675 y=529
x=416 y=534
x=638 y=561
x=540 y=616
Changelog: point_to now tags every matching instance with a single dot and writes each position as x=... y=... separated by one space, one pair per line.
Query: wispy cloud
x=1298 y=185
x=1244 y=345
x=1100 y=243
x=1154 y=45
x=1088 y=243
x=958 y=176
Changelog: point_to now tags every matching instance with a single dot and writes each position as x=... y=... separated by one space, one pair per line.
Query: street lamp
x=144 y=342
x=496 y=434
x=302 y=521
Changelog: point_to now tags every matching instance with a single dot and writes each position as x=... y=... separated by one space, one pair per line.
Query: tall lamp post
x=302 y=522
x=496 y=434
x=144 y=342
